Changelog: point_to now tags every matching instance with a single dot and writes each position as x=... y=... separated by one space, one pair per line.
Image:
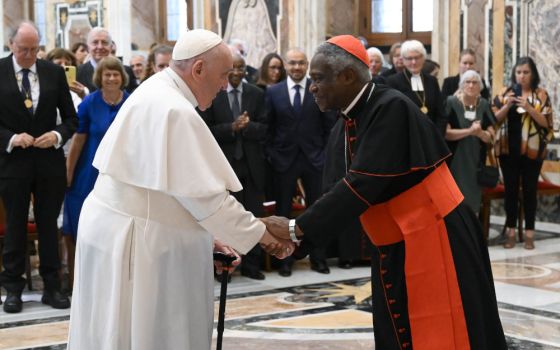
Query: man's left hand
x=46 y=140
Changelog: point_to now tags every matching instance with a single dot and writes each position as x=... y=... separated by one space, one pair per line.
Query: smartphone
x=70 y=74
x=516 y=88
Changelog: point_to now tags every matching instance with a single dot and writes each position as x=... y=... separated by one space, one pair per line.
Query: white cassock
x=144 y=271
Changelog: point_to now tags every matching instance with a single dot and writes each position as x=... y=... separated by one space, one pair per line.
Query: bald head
x=24 y=43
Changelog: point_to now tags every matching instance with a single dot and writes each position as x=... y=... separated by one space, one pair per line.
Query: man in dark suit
x=298 y=134
x=99 y=46
x=237 y=121
x=32 y=161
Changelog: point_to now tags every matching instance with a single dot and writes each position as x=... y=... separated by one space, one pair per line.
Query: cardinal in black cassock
x=431 y=277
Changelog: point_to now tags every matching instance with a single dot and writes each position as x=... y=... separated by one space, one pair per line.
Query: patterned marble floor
x=314 y=312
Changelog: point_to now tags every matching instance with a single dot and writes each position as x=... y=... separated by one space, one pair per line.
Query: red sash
x=435 y=309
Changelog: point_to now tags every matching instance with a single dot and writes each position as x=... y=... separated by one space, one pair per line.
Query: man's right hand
x=23 y=140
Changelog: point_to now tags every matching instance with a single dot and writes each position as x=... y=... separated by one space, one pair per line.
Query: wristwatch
x=292 y=230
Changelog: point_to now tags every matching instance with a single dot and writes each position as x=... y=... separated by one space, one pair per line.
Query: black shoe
x=285 y=271
x=253 y=274
x=345 y=264
x=13 y=303
x=320 y=266
x=55 y=299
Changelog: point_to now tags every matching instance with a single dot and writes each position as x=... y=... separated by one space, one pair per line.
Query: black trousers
x=252 y=199
x=520 y=170
x=285 y=184
x=48 y=194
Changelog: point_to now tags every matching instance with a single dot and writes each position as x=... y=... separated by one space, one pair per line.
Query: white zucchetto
x=194 y=42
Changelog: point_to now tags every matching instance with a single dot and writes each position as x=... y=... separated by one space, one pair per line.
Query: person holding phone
x=67 y=60
x=524 y=115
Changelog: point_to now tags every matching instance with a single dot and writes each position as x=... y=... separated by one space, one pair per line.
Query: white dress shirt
x=302 y=83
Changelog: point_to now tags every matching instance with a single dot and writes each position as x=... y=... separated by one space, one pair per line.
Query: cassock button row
x=388 y=285
x=395 y=316
x=392 y=301
x=383 y=256
x=405 y=345
x=402 y=330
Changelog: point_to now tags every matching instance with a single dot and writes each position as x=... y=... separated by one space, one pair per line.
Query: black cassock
x=393 y=149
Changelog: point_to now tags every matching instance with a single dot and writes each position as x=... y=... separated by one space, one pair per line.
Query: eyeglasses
x=413 y=58
x=27 y=50
x=297 y=63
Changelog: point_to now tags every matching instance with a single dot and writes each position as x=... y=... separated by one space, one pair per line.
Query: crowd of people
x=275 y=125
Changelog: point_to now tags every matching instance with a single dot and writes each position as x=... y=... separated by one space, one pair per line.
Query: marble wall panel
x=544 y=42
x=14 y=11
x=144 y=22
x=341 y=17
x=476 y=31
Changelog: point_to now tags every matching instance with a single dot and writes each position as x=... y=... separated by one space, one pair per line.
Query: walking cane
x=226 y=261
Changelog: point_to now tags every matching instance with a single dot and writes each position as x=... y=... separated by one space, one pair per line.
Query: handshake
x=276 y=240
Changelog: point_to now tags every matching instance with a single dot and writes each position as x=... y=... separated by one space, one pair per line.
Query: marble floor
x=310 y=311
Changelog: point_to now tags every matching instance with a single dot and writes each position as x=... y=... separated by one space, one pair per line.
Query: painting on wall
x=250 y=21
x=75 y=20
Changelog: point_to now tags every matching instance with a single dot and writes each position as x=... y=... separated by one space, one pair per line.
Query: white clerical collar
x=302 y=83
x=239 y=87
x=416 y=82
x=356 y=99
x=18 y=68
x=183 y=87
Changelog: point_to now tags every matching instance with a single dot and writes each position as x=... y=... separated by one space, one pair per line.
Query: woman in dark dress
x=524 y=114
x=467 y=61
x=470 y=128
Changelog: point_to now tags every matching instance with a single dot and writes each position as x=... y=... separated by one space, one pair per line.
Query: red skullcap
x=351 y=45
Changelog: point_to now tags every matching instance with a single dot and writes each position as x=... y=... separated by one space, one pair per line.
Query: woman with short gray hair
x=469 y=130
x=422 y=89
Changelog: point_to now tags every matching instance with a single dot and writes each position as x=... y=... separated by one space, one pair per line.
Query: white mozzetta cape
x=143 y=275
x=165 y=145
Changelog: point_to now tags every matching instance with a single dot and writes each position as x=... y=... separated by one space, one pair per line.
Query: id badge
x=470 y=115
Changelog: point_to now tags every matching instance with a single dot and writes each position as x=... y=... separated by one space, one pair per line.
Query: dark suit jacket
x=219 y=118
x=434 y=100
x=15 y=119
x=288 y=134
x=85 y=76
x=451 y=84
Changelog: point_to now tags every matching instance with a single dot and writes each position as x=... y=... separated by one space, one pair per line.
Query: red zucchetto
x=351 y=45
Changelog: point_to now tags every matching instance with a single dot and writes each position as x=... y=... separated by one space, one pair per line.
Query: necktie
x=297 y=100
x=236 y=111
x=26 y=90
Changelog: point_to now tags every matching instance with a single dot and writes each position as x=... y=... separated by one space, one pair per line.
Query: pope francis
x=144 y=254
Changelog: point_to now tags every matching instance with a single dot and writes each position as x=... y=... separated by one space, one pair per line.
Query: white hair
x=470 y=74
x=375 y=51
x=99 y=30
x=412 y=45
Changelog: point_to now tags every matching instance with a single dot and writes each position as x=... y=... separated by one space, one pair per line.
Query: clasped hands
x=276 y=239
x=25 y=140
